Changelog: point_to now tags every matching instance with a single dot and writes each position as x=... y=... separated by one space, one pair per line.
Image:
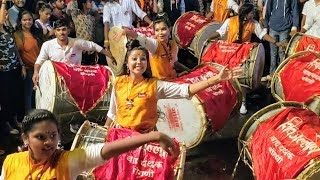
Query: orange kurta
x=28 y=48
x=18 y=166
x=142 y=116
x=220 y=13
x=233 y=30
x=161 y=62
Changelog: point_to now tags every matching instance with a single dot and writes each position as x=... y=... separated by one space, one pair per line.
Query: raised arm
x=2 y=13
x=224 y=75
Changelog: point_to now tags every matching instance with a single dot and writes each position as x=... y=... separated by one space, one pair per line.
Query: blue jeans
x=29 y=97
x=276 y=53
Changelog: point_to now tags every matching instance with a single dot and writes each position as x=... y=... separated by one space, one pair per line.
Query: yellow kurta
x=142 y=116
x=160 y=62
x=233 y=30
x=220 y=13
x=17 y=166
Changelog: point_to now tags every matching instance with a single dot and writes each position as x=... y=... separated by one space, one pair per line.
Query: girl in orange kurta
x=134 y=98
x=43 y=160
x=164 y=52
x=239 y=29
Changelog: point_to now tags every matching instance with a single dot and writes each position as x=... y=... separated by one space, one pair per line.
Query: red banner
x=284 y=144
x=188 y=25
x=148 y=31
x=218 y=100
x=227 y=53
x=149 y=161
x=308 y=43
x=300 y=78
x=86 y=84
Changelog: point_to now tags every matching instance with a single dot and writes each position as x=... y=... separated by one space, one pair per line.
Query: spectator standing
x=28 y=39
x=14 y=11
x=11 y=70
x=43 y=23
x=311 y=11
x=282 y=20
x=120 y=13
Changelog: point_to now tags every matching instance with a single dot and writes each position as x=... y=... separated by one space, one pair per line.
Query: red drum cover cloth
x=218 y=100
x=308 y=43
x=149 y=161
x=188 y=26
x=86 y=84
x=148 y=31
x=300 y=78
x=283 y=144
x=227 y=53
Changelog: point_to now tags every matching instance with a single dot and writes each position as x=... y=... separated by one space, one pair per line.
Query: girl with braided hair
x=239 y=29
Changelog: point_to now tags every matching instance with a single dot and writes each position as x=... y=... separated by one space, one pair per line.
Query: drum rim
x=54 y=80
x=291 y=44
x=77 y=136
x=197 y=51
x=311 y=169
x=257 y=115
x=298 y=36
x=276 y=76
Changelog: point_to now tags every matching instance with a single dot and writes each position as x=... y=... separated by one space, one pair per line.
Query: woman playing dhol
x=239 y=29
x=164 y=52
x=43 y=160
x=134 y=98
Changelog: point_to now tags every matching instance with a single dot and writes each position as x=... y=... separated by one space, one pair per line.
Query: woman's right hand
x=168 y=145
x=35 y=79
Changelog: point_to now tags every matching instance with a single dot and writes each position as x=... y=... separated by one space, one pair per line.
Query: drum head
x=46 y=90
x=202 y=36
x=89 y=133
x=118 y=50
x=259 y=117
x=182 y=119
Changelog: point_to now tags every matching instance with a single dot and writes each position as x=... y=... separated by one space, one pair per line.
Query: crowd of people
x=76 y=32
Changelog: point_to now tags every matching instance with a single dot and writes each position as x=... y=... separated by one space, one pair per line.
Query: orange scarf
x=233 y=30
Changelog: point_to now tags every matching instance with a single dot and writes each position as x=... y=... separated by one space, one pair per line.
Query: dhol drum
x=118 y=47
x=192 y=30
x=298 y=79
x=118 y=50
x=188 y=120
x=302 y=42
x=281 y=141
x=142 y=162
x=251 y=57
x=84 y=96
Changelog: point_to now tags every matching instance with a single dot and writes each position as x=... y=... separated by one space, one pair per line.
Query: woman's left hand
x=227 y=74
x=23 y=72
